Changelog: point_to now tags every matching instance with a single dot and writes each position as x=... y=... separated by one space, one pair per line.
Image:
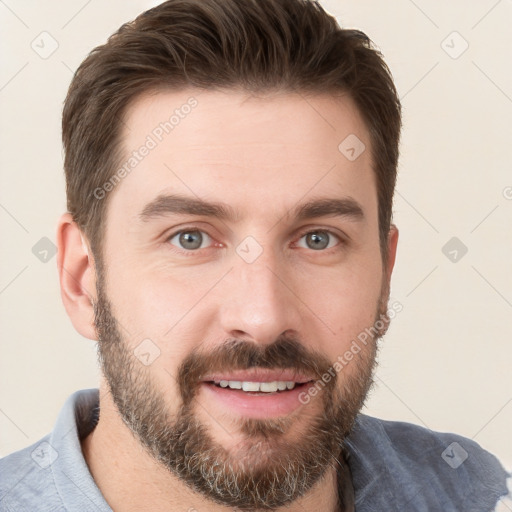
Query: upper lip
x=259 y=375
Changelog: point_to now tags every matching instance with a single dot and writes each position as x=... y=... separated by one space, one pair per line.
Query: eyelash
x=194 y=252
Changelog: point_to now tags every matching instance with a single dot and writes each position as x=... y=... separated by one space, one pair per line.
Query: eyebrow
x=177 y=204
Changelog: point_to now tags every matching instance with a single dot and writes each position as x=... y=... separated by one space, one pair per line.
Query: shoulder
x=426 y=468
x=419 y=445
x=52 y=473
x=26 y=478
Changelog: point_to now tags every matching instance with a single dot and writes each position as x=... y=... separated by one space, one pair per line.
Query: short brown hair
x=259 y=45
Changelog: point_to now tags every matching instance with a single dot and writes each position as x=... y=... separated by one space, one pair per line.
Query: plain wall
x=446 y=360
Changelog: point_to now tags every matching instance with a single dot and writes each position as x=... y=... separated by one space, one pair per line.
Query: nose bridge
x=260 y=302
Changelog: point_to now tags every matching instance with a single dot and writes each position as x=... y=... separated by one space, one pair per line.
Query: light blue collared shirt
x=395 y=467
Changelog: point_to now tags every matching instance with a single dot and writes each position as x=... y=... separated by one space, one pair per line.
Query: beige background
x=446 y=360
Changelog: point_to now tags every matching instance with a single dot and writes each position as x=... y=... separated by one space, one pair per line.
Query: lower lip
x=257 y=405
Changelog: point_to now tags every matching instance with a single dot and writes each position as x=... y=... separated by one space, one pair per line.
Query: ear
x=76 y=275
x=392 y=246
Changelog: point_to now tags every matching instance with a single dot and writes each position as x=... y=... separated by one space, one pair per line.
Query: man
x=230 y=171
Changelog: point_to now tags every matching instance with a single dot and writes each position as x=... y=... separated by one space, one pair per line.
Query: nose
x=260 y=302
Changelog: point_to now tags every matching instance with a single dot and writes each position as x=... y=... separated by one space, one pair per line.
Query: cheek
x=153 y=302
x=343 y=303
x=164 y=310
x=346 y=311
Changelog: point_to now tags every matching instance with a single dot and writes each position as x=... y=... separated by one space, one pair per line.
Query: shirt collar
x=70 y=472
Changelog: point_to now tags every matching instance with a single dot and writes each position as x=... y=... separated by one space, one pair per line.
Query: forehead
x=242 y=149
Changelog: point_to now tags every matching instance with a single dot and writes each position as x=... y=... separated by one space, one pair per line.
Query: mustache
x=286 y=353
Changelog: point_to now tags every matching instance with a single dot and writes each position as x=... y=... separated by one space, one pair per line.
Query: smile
x=264 y=387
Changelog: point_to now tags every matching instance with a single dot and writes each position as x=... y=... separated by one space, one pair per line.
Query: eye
x=190 y=239
x=320 y=239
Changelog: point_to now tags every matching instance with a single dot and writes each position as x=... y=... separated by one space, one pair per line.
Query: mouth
x=260 y=388
x=257 y=394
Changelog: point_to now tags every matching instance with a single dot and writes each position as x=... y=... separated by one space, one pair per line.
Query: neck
x=131 y=480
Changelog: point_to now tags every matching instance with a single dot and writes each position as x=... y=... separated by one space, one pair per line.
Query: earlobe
x=77 y=276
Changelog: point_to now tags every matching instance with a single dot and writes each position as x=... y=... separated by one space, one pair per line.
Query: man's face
x=188 y=300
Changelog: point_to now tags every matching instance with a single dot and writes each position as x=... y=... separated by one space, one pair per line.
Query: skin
x=262 y=156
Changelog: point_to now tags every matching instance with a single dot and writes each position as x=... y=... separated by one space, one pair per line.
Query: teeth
x=265 y=387
x=268 y=387
x=251 y=386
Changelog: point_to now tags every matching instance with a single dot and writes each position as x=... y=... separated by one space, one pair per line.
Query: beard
x=268 y=469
